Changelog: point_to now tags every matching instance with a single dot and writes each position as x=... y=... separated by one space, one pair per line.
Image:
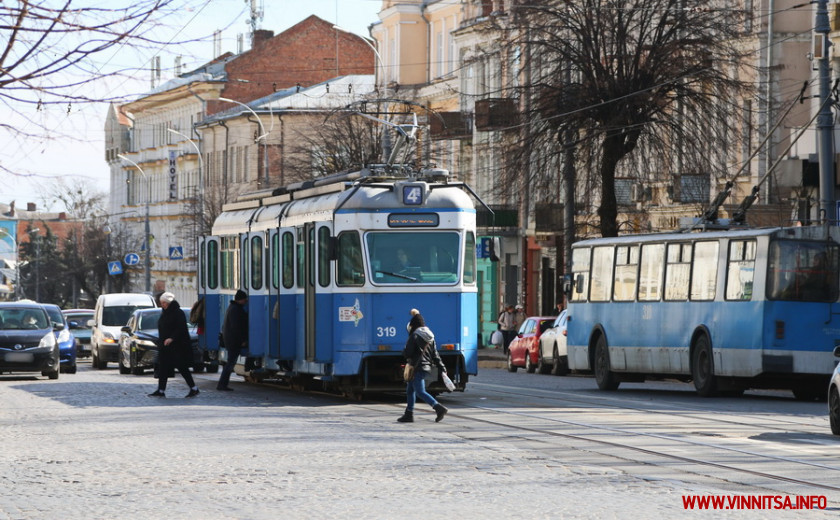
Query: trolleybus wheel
x=605 y=378
x=510 y=366
x=702 y=368
x=834 y=411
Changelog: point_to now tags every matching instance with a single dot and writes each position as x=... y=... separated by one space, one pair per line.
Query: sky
x=74 y=149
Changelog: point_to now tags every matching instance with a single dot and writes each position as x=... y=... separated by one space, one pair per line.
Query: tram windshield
x=803 y=271
x=414 y=257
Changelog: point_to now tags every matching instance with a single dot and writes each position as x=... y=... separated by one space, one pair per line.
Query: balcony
x=450 y=125
x=495 y=114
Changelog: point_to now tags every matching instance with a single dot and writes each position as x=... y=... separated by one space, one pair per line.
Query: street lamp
x=200 y=170
x=148 y=199
x=249 y=109
x=373 y=48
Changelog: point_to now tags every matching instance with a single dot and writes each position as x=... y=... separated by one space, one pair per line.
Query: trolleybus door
x=254 y=282
x=208 y=288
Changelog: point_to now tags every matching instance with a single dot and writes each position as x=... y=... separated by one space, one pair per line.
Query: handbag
x=450 y=386
x=408 y=372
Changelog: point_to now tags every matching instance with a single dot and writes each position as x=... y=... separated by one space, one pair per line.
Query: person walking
x=421 y=353
x=234 y=336
x=175 y=346
x=519 y=317
x=507 y=324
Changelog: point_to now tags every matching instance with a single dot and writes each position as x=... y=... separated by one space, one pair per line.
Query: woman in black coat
x=175 y=347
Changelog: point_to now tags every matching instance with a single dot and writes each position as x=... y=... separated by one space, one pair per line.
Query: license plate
x=20 y=357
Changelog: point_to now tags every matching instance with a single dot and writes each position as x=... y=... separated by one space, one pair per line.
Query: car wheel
x=123 y=369
x=702 y=368
x=51 y=375
x=604 y=377
x=510 y=366
x=96 y=362
x=530 y=367
x=542 y=366
x=834 y=411
x=560 y=367
x=70 y=370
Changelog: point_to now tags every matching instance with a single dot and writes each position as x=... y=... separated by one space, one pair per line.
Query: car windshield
x=81 y=319
x=23 y=319
x=148 y=320
x=118 y=315
x=55 y=315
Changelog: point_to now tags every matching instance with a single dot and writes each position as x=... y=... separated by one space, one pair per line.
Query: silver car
x=834 y=397
x=553 y=353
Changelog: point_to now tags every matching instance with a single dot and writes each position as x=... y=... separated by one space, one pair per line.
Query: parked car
x=553 y=356
x=525 y=348
x=27 y=340
x=110 y=315
x=66 y=340
x=78 y=320
x=139 y=342
x=834 y=397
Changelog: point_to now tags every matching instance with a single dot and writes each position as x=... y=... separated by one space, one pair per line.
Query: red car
x=524 y=350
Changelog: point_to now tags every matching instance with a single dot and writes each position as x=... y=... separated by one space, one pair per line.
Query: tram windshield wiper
x=397 y=275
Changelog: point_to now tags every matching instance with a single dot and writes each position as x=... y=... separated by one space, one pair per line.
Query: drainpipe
x=428 y=42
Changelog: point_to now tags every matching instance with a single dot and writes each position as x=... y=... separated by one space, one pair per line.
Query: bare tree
x=641 y=87
x=340 y=143
x=53 y=52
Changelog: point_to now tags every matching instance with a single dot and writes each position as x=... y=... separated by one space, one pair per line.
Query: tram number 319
x=386 y=332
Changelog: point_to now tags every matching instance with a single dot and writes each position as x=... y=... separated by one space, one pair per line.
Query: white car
x=834 y=397
x=553 y=354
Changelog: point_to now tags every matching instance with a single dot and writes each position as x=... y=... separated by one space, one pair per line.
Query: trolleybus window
x=802 y=271
x=677 y=271
x=704 y=271
x=650 y=272
x=350 y=267
x=580 y=274
x=288 y=260
x=602 y=264
x=323 y=256
x=740 y=270
x=414 y=257
x=256 y=262
x=626 y=270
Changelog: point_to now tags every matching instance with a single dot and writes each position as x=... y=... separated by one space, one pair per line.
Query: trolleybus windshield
x=416 y=257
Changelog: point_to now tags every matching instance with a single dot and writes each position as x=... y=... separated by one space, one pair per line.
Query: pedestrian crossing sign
x=176 y=253
x=115 y=268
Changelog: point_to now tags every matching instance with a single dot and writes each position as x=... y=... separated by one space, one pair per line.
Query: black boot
x=407 y=417
x=440 y=410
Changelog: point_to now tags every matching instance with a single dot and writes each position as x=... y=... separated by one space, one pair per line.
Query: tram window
x=350 y=267
x=323 y=256
x=245 y=262
x=740 y=270
x=288 y=260
x=301 y=266
x=677 y=270
x=275 y=260
x=311 y=244
x=650 y=272
x=626 y=272
x=411 y=257
x=704 y=271
x=469 y=259
x=803 y=271
x=580 y=274
x=256 y=262
x=212 y=264
x=202 y=265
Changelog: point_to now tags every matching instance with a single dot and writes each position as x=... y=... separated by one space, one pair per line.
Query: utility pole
x=825 y=121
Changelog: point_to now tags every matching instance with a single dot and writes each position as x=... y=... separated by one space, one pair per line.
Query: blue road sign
x=115 y=267
x=132 y=259
x=176 y=253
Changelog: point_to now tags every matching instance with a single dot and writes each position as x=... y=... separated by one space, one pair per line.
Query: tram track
x=726 y=466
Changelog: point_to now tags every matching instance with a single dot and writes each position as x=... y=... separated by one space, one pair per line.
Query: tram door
x=309 y=291
x=208 y=288
x=255 y=282
x=272 y=285
x=317 y=292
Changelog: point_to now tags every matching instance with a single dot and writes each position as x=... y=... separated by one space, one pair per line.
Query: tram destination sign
x=399 y=220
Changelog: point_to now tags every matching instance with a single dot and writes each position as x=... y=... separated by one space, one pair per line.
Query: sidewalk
x=491 y=358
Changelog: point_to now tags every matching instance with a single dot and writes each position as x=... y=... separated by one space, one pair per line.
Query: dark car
x=27 y=340
x=139 y=342
x=78 y=319
x=66 y=340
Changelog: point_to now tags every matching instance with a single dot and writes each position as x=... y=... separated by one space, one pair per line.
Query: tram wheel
x=809 y=393
x=605 y=377
x=702 y=368
x=834 y=411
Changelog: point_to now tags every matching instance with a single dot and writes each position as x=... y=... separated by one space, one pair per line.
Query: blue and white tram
x=328 y=298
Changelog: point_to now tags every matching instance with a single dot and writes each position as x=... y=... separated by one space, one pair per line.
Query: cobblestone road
x=94 y=446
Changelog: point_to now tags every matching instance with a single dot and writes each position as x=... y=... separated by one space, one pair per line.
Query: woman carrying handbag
x=420 y=353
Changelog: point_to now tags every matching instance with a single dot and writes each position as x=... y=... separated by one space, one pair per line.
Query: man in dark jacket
x=421 y=353
x=234 y=336
x=174 y=344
